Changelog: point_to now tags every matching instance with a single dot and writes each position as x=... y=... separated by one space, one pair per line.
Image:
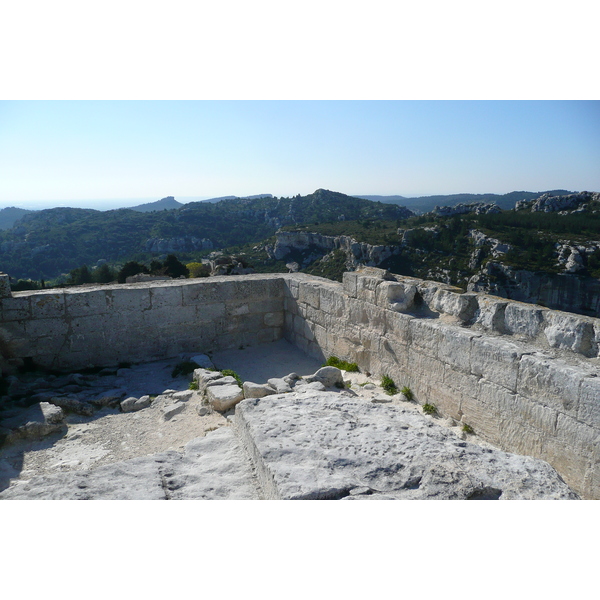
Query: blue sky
x=73 y=152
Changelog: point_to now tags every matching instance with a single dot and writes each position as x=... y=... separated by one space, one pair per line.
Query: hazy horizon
x=108 y=153
x=104 y=204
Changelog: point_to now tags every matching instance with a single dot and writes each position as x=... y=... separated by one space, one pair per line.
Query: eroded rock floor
x=354 y=443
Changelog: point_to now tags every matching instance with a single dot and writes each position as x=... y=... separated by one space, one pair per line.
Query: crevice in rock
x=486 y=493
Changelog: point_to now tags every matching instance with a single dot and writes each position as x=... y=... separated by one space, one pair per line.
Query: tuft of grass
x=334 y=361
x=193 y=385
x=387 y=383
x=467 y=428
x=429 y=409
x=407 y=393
x=229 y=372
x=184 y=368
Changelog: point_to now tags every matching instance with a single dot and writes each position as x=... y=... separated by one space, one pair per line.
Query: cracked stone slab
x=213 y=467
x=325 y=446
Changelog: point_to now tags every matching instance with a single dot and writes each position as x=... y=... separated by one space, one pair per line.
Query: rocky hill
x=547 y=251
x=9 y=215
x=43 y=244
x=423 y=204
x=168 y=203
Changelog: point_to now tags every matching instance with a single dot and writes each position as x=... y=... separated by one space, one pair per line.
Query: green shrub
x=193 y=385
x=334 y=361
x=467 y=428
x=429 y=409
x=184 y=368
x=388 y=385
x=407 y=393
x=229 y=372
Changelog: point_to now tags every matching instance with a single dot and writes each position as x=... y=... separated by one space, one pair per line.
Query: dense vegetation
x=44 y=244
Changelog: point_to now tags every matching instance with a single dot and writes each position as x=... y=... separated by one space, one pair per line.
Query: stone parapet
x=524 y=377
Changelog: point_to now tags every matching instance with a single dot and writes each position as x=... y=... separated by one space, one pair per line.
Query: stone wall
x=524 y=377
x=103 y=325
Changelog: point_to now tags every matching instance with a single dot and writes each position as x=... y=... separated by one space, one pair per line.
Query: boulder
x=37 y=421
x=257 y=390
x=224 y=397
x=328 y=376
x=73 y=405
x=279 y=385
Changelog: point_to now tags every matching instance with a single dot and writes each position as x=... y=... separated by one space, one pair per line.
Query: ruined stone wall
x=79 y=327
x=524 y=377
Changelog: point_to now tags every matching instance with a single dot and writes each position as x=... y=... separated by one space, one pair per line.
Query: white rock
x=328 y=376
x=257 y=390
x=280 y=386
x=171 y=410
x=224 y=397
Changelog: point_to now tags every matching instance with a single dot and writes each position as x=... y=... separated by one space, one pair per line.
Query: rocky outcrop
x=568 y=202
x=568 y=292
x=478 y=208
x=315 y=246
x=322 y=446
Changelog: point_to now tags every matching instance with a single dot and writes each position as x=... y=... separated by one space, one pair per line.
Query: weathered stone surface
x=203 y=377
x=173 y=409
x=72 y=405
x=328 y=376
x=257 y=390
x=128 y=404
x=183 y=396
x=37 y=421
x=224 y=397
x=279 y=385
x=389 y=450
x=210 y=468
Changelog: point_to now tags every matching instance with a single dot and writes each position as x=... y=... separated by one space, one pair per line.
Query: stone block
x=349 y=280
x=497 y=360
x=366 y=288
x=169 y=411
x=332 y=302
x=523 y=320
x=490 y=313
x=589 y=402
x=85 y=304
x=459 y=305
x=16 y=309
x=36 y=328
x=551 y=382
x=47 y=306
x=257 y=390
x=570 y=332
x=396 y=296
x=398 y=326
x=425 y=335
x=125 y=299
x=455 y=348
x=166 y=296
x=310 y=294
x=224 y=397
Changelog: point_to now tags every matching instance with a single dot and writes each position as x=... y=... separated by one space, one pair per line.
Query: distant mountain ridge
x=46 y=243
x=168 y=203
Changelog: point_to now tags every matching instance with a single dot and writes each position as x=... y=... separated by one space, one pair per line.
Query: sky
x=89 y=153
